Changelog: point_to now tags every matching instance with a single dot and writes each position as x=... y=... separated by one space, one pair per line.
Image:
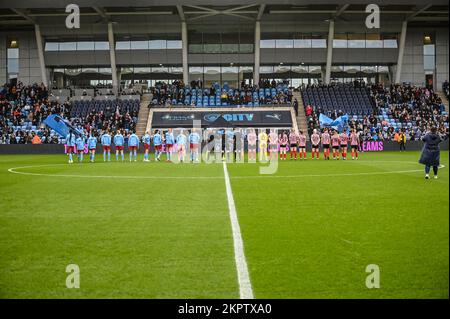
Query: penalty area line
x=245 y=286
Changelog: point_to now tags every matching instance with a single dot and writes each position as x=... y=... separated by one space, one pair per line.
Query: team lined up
x=268 y=145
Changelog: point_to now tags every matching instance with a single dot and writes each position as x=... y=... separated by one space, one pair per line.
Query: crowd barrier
x=369 y=146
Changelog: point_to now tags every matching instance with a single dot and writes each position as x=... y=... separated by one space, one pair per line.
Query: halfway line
x=245 y=286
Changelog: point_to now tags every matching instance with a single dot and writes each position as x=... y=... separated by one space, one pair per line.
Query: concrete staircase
x=301 y=118
x=443 y=98
x=143 y=114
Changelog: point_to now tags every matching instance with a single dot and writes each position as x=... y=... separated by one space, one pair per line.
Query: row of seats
x=348 y=99
x=83 y=108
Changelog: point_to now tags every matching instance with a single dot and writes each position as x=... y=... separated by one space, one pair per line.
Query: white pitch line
x=14 y=171
x=245 y=286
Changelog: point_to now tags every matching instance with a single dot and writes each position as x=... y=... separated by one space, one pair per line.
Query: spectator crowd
x=24 y=108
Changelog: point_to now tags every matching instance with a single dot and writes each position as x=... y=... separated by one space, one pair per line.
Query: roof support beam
x=21 y=13
x=341 y=10
x=421 y=10
x=101 y=12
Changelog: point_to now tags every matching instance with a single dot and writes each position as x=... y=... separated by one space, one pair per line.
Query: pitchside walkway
x=301 y=118
x=143 y=114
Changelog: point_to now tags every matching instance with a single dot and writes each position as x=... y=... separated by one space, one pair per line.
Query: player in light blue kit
x=181 y=146
x=119 y=142
x=170 y=140
x=146 y=139
x=157 y=142
x=80 y=147
x=70 y=142
x=133 y=145
x=106 y=143
x=92 y=146
x=194 y=141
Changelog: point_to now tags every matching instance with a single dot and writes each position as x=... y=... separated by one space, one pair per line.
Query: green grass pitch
x=159 y=230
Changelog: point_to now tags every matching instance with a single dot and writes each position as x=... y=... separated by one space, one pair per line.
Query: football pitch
x=161 y=230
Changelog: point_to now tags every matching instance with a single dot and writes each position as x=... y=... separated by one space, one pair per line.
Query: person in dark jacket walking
x=431 y=152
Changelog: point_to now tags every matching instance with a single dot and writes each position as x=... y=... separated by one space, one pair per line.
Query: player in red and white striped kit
x=344 y=141
x=283 y=141
x=293 y=144
x=354 y=143
x=302 y=145
x=315 y=141
x=326 y=140
x=335 y=141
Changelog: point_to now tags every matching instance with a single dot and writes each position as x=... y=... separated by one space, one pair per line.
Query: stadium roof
x=28 y=12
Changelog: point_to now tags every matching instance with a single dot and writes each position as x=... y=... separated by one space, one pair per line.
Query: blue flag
x=324 y=120
x=338 y=124
x=61 y=126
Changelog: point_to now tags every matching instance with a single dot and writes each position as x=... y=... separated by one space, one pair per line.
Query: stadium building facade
x=234 y=41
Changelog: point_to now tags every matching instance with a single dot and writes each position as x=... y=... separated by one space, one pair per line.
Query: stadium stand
x=378 y=112
x=24 y=108
x=176 y=94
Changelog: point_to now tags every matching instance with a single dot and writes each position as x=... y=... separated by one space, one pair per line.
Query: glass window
x=230 y=48
x=284 y=44
x=90 y=70
x=51 y=46
x=85 y=46
x=67 y=46
x=123 y=45
x=300 y=69
x=337 y=68
x=281 y=68
x=106 y=71
x=356 y=40
x=373 y=40
x=303 y=43
x=428 y=62
x=141 y=70
x=356 y=44
x=195 y=48
x=13 y=53
x=369 y=69
x=159 y=69
x=352 y=68
x=428 y=49
x=390 y=43
x=338 y=43
x=211 y=48
x=13 y=65
x=176 y=70
x=267 y=44
x=246 y=48
x=139 y=45
x=315 y=69
x=73 y=72
x=157 y=44
x=101 y=45
x=383 y=69
x=266 y=69
x=318 y=43
x=126 y=70
x=174 y=44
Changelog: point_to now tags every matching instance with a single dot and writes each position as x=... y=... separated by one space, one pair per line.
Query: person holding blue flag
x=92 y=146
x=119 y=142
x=80 y=143
x=194 y=141
x=169 y=144
x=181 y=146
x=146 y=140
x=133 y=145
x=157 y=142
x=70 y=142
x=106 y=143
